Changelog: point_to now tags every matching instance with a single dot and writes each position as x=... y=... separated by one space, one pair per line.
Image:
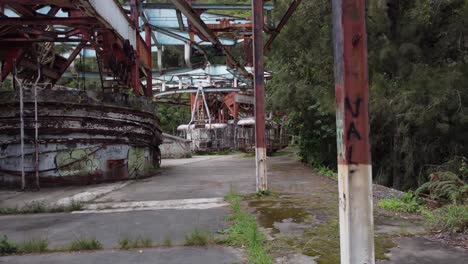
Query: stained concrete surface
x=173 y=255
x=203 y=177
x=200 y=177
x=418 y=250
x=61 y=229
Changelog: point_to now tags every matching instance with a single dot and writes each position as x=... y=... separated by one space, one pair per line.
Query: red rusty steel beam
x=259 y=87
x=61 y=3
x=33 y=21
x=283 y=22
x=40 y=40
x=149 y=72
x=70 y=59
x=352 y=122
x=198 y=23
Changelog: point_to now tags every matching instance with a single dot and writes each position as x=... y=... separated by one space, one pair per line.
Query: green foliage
x=445 y=186
x=33 y=246
x=198 y=238
x=244 y=232
x=138 y=242
x=418 y=75
x=7 y=247
x=85 y=244
x=407 y=204
x=451 y=218
x=172 y=116
x=325 y=171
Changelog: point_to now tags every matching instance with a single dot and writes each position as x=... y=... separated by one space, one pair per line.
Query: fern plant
x=445 y=186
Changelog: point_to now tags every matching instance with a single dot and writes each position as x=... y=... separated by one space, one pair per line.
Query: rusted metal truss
x=27 y=28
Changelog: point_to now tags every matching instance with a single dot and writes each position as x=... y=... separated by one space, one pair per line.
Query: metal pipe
x=206 y=105
x=352 y=128
x=194 y=107
x=259 y=87
x=36 y=128
x=20 y=87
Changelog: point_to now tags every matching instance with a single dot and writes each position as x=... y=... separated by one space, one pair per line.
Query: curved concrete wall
x=84 y=137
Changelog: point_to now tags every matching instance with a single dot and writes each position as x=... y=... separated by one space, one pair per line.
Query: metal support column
x=259 y=86
x=352 y=122
x=149 y=72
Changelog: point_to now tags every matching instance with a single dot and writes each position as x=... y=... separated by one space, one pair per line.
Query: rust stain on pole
x=352 y=122
x=259 y=87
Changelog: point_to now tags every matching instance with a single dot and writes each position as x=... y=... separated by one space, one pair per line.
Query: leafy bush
x=406 y=204
x=445 y=186
x=7 y=246
x=451 y=218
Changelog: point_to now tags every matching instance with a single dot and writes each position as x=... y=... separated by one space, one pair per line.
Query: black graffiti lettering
x=357 y=103
x=352 y=131
x=349 y=155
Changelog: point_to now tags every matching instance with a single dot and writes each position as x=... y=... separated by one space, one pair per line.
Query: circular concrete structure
x=84 y=137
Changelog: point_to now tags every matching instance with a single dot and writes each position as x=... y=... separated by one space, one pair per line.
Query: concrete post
x=259 y=87
x=352 y=122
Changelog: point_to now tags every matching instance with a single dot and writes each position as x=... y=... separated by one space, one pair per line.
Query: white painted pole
x=352 y=122
x=20 y=87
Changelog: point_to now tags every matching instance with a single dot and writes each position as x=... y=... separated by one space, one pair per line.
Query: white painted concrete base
x=183 y=204
x=356 y=214
x=92 y=193
x=261 y=166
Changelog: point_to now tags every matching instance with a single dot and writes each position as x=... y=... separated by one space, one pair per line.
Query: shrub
x=445 y=186
x=451 y=218
x=7 y=246
x=406 y=204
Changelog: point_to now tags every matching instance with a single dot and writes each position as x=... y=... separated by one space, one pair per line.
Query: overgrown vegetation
x=198 y=238
x=36 y=207
x=138 y=242
x=85 y=244
x=34 y=246
x=451 y=218
x=7 y=246
x=325 y=171
x=406 y=204
x=418 y=75
x=244 y=232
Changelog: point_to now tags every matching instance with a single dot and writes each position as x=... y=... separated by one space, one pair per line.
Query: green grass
x=37 y=207
x=451 y=218
x=7 y=246
x=244 y=232
x=327 y=172
x=34 y=246
x=167 y=241
x=198 y=238
x=247 y=155
x=406 y=204
x=85 y=244
x=138 y=242
x=279 y=154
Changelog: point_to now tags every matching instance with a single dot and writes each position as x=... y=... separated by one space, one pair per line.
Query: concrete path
x=188 y=195
x=173 y=255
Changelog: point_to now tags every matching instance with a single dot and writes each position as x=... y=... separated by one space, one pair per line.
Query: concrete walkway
x=173 y=255
x=188 y=195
